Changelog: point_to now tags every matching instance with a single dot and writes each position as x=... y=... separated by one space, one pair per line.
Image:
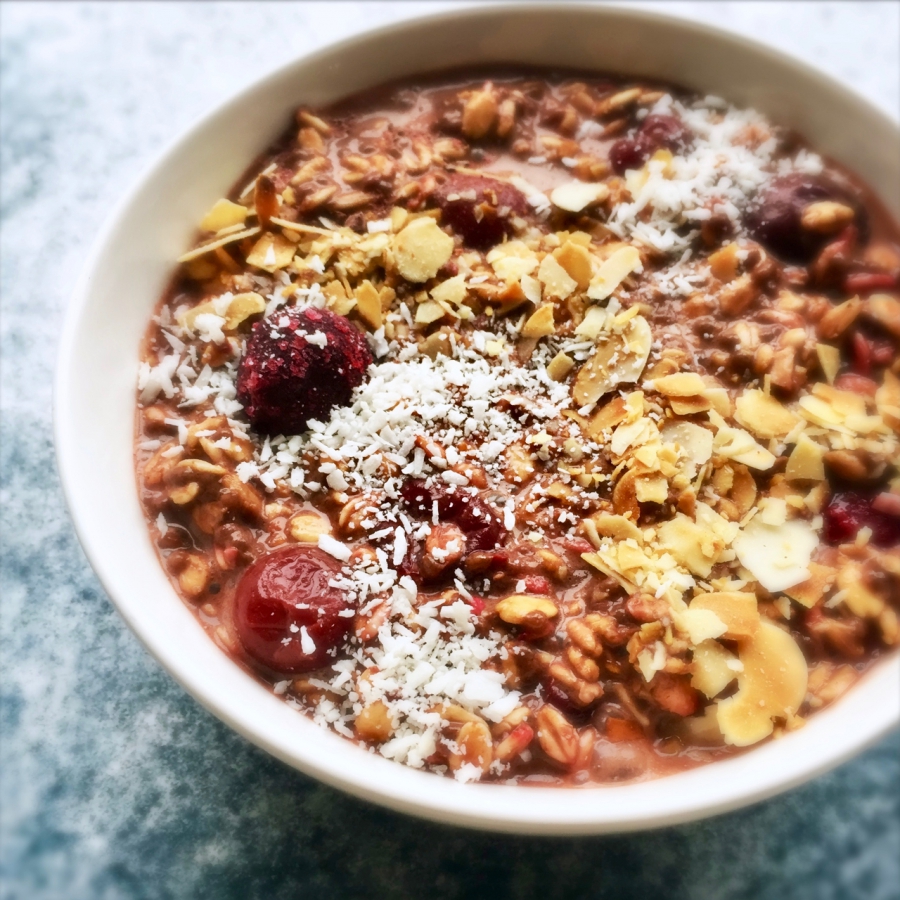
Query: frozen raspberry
x=298 y=366
x=288 y=617
x=479 y=209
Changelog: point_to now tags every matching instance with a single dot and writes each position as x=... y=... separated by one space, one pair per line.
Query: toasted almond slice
x=613 y=271
x=617 y=527
x=242 y=307
x=695 y=441
x=691 y=544
x=540 y=323
x=619 y=360
x=806 y=461
x=560 y=366
x=763 y=415
x=420 y=249
x=689 y=406
x=713 y=667
x=681 y=384
x=808 y=593
x=771 y=685
x=575 y=196
x=556 y=280
x=368 y=304
x=224 y=214
x=701 y=625
x=429 y=311
x=736 y=444
x=271 y=252
x=737 y=610
x=220 y=242
x=575 y=259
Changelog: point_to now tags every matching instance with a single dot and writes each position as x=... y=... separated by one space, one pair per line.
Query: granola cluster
x=535 y=428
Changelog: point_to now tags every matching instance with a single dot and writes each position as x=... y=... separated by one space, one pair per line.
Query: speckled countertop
x=115 y=784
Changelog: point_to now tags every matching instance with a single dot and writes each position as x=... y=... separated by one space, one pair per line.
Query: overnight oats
x=535 y=428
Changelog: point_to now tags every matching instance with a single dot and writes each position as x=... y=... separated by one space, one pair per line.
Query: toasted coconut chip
x=613 y=271
x=540 y=323
x=700 y=624
x=619 y=360
x=771 y=685
x=681 y=384
x=224 y=214
x=806 y=461
x=695 y=442
x=576 y=260
x=271 y=252
x=617 y=527
x=777 y=556
x=221 y=242
x=452 y=291
x=693 y=545
x=420 y=249
x=556 y=280
x=713 y=668
x=810 y=592
x=243 y=307
x=578 y=195
x=735 y=609
x=736 y=444
x=829 y=360
x=368 y=305
x=763 y=415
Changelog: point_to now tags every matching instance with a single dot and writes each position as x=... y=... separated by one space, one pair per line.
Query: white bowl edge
x=94 y=451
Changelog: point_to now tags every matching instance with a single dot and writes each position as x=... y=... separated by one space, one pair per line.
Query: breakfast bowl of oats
x=487 y=415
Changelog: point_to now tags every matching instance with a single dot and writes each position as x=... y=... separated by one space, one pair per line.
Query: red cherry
x=288 y=616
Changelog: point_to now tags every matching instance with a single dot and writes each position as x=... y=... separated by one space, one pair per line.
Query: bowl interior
x=133 y=260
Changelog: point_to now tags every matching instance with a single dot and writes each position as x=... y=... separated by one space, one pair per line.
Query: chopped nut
x=523 y=608
x=374 y=723
x=560 y=366
x=599 y=375
x=479 y=114
x=557 y=737
x=308 y=526
x=839 y=318
x=540 y=323
x=826 y=217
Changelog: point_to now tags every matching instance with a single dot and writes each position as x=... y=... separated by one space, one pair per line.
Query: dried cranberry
x=654 y=133
x=849 y=511
x=869 y=347
x=479 y=209
x=477 y=605
x=774 y=219
x=281 y=594
x=626 y=153
x=478 y=521
x=284 y=379
x=869 y=282
x=537 y=584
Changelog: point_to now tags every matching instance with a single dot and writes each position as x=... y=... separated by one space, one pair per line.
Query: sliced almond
x=224 y=214
x=617 y=527
x=713 y=668
x=556 y=280
x=810 y=592
x=806 y=461
x=613 y=271
x=575 y=259
x=540 y=323
x=368 y=305
x=420 y=249
x=271 y=252
x=243 y=307
x=620 y=359
x=575 y=196
x=681 y=384
x=695 y=441
x=772 y=684
x=560 y=366
x=695 y=547
x=763 y=415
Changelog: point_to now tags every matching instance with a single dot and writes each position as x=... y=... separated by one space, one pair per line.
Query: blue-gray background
x=115 y=784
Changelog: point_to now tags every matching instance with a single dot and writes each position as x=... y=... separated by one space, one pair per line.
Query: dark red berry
x=849 y=511
x=479 y=209
x=284 y=380
x=475 y=518
x=282 y=593
x=655 y=133
x=774 y=218
x=537 y=584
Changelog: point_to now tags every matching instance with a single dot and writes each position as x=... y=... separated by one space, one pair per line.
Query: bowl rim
x=483 y=806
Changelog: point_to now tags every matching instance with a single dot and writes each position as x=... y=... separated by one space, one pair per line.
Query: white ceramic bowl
x=133 y=259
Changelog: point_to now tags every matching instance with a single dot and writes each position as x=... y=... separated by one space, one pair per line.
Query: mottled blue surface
x=115 y=784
